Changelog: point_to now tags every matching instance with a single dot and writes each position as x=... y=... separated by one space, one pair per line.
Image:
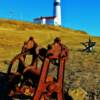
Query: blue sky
x=76 y=14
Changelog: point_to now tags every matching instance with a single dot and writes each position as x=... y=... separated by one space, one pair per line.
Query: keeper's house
x=46 y=20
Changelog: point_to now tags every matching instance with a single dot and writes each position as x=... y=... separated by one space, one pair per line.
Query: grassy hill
x=82 y=69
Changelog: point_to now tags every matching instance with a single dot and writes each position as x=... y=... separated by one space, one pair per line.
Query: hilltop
x=82 y=69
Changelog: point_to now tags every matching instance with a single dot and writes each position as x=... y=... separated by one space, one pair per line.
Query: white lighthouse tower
x=51 y=20
x=57 y=11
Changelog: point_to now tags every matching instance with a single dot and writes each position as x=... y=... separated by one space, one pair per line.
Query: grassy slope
x=81 y=67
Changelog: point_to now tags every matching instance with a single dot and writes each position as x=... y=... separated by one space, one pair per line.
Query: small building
x=52 y=20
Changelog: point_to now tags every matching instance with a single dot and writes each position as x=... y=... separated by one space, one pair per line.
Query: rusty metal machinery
x=88 y=45
x=41 y=86
x=47 y=89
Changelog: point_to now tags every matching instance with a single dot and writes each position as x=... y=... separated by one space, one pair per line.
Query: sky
x=76 y=14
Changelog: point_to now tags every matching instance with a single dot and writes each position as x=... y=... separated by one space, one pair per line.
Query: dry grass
x=82 y=69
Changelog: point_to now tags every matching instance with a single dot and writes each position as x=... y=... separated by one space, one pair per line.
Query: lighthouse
x=57 y=11
x=51 y=20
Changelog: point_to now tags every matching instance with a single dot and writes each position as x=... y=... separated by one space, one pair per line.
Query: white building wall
x=46 y=21
x=40 y=21
x=57 y=11
x=56 y=22
x=43 y=21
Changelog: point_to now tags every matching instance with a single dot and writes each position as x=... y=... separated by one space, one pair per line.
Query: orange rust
x=47 y=85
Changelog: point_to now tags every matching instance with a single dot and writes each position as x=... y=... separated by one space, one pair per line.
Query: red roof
x=49 y=17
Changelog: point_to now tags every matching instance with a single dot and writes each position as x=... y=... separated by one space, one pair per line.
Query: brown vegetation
x=82 y=69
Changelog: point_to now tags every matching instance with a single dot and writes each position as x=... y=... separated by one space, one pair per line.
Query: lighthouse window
x=57 y=3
